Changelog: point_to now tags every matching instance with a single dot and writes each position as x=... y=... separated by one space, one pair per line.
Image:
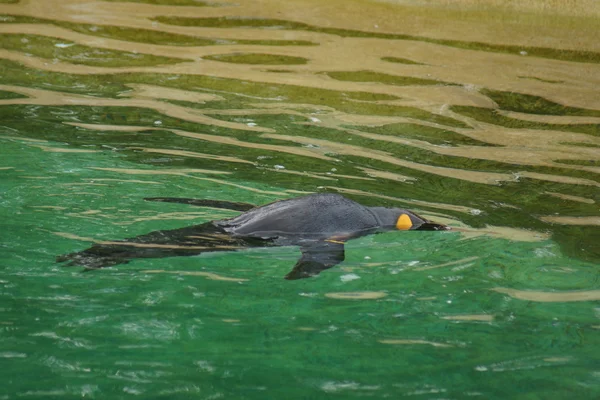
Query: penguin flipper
x=227 y=205
x=316 y=257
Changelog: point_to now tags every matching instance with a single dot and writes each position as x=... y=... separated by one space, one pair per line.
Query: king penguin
x=319 y=223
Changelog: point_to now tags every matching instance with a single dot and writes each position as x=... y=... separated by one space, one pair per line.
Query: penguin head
x=404 y=220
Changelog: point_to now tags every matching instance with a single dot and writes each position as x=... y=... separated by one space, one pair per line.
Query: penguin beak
x=431 y=226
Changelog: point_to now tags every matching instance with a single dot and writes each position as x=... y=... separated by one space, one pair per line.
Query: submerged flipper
x=188 y=241
x=227 y=205
x=316 y=257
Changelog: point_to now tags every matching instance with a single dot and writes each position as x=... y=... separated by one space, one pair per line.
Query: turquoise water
x=105 y=103
x=123 y=331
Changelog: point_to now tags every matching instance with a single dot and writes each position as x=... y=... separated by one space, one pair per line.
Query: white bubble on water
x=349 y=277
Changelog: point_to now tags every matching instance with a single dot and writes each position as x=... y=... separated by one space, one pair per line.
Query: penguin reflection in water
x=319 y=223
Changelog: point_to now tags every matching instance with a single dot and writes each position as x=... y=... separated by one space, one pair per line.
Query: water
x=473 y=121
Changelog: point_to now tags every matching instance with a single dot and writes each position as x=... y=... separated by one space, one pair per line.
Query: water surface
x=487 y=119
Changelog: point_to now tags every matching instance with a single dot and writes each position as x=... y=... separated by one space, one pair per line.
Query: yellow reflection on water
x=208 y=275
x=356 y=295
x=532 y=295
x=414 y=341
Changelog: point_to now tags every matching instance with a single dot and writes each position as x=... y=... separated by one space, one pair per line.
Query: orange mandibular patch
x=404 y=223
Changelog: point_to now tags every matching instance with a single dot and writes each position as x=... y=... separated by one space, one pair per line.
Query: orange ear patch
x=404 y=223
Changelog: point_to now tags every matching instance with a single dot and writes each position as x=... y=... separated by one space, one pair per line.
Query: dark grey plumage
x=318 y=223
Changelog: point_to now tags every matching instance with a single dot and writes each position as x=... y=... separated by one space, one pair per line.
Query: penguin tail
x=90 y=259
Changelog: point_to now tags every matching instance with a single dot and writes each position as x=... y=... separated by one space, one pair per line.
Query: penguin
x=320 y=224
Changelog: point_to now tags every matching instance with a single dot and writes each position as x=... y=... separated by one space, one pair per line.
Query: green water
x=505 y=306
x=122 y=332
